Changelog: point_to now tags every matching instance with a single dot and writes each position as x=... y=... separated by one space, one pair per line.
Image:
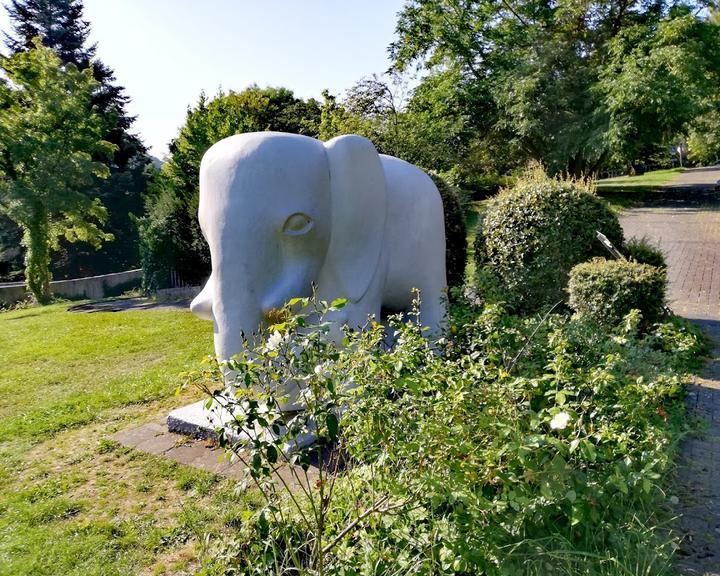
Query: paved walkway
x=685 y=221
x=154 y=438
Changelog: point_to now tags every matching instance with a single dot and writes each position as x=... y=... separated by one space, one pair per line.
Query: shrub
x=606 y=290
x=476 y=184
x=645 y=252
x=506 y=449
x=455 y=232
x=531 y=235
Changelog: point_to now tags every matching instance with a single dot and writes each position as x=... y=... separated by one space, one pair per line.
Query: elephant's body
x=416 y=254
x=282 y=212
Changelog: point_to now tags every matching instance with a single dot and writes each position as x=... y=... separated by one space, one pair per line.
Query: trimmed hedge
x=531 y=236
x=606 y=290
x=643 y=251
x=455 y=232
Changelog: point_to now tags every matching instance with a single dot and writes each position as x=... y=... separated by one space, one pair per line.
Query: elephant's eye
x=297 y=224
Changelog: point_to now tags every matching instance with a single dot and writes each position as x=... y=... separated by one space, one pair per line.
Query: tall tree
x=60 y=26
x=170 y=233
x=434 y=125
x=556 y=72
x=49 y=137
x=658 y=82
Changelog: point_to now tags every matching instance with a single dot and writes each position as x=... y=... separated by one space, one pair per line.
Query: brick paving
x=684 y=221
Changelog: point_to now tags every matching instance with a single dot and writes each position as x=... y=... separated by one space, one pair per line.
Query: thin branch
x=509 y=7
x=515 y=360
x=374 y=508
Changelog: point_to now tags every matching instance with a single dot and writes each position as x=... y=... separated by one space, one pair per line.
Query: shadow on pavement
x=128 y=304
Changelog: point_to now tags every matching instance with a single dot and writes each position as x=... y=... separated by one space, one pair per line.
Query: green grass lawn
x=72 y=501
x=626 y=191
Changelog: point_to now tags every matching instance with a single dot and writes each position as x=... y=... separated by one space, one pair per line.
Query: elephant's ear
x=357 y=191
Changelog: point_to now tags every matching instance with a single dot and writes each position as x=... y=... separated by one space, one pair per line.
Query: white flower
x=323 y=370
x=560 y=421
x=274 y=340
x=305 y=395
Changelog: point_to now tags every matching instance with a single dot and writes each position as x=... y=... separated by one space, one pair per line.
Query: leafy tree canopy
x=170 y=234
x=50 y=137
x=60 y=26
x=577 y=85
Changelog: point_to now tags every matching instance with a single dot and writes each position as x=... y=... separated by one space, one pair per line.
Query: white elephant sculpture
x=282 y=212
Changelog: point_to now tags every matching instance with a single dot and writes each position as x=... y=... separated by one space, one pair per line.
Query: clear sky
x=165 y=52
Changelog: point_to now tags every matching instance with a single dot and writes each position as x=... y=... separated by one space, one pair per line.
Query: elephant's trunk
x=201 y=305
x=233 y=325
x=234 y=316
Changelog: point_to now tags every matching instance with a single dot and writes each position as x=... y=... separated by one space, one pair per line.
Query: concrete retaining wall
x=93 y=287
x=172 y=293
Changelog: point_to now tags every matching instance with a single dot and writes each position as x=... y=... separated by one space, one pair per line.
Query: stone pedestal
x=197 y=421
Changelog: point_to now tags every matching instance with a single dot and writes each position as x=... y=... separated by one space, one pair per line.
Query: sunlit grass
x=71 y=500
x=627 y=191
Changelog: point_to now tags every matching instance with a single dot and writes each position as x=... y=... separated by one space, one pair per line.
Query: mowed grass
x=627 y=191
x=72 y=501
x=62 y=369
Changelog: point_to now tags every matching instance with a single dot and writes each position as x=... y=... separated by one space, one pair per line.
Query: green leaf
x=271 y=453
x=332 y=425
x=338 y=303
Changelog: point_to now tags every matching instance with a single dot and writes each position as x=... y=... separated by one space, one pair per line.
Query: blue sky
x=166 y=51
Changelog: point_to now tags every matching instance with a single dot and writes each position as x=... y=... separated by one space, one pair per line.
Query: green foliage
x=170 y=233
x=531 y=235
x=704 y=137
x=295 y=363
x=432 y=125
x=642 y=250
x=455 y=232
x=643 y=71
x=485 y=185
x=607 y=290
x=657 y=80
x=60 y=26
x=48 y=136
x=11 y=261
x=507 y=445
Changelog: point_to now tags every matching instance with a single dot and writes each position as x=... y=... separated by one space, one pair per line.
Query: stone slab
x=197 y=421
x=131 y=437
x=154 y=438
